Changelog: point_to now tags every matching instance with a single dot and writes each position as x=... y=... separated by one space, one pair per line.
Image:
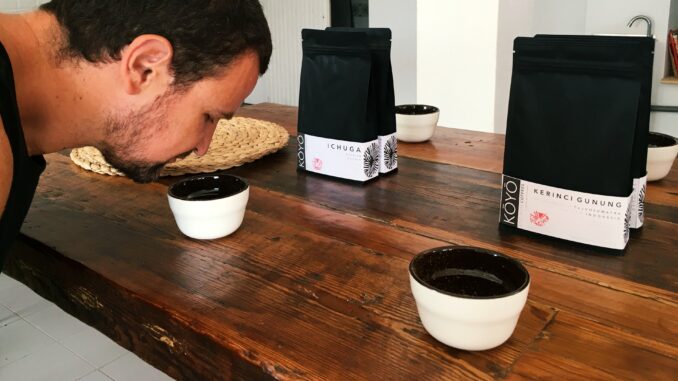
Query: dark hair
x=206 y=35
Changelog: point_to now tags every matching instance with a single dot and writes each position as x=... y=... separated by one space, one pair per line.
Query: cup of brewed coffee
x=209 y=206
x=468 y=298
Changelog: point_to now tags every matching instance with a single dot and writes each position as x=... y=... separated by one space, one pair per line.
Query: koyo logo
x=510 y=191
x=538 y=218
x=301 y=154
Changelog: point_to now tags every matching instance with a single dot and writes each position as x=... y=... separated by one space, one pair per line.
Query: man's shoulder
x=6 y=167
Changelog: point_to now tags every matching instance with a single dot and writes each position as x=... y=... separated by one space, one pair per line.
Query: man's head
x=177 y=67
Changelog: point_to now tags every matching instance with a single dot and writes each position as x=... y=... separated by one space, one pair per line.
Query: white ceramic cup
x=416 y=123
x=468 y=298
x=660 y=155
x=209 y=206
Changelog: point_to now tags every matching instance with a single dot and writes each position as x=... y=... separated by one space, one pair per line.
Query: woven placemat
x=235 y=142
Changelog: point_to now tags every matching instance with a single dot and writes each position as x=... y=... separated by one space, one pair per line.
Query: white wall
x=559 y=17
x=456 y=60
x=401 y=17
x=286 y=19
x=14 y=6
x=600 y=18
x=516 y=19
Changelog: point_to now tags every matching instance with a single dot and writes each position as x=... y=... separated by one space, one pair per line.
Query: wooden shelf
x=670 y=80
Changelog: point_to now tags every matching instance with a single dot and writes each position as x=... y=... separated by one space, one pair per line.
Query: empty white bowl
x=661 y=153
x=416 y=123
x=209 y=206
x=468 y=298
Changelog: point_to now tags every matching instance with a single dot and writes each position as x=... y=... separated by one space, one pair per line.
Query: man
x=144 y=81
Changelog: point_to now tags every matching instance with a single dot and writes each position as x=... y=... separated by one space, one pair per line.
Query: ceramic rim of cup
x=479 y=251
x=663 y=137
x=427 y=110
x=170 y=190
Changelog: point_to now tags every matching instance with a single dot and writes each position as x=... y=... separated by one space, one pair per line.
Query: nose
x=204 y=145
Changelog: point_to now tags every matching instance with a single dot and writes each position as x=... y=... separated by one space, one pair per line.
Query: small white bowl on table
x=209 y=206
x=661 y=153
x=416 y=123
x=468 y=298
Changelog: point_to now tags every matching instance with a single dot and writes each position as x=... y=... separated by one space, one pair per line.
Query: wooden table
x=314 y=285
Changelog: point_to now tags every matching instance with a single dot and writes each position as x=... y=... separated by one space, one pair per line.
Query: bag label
x=575 y=216
x=638 y=202
x=388 y=145
x=347 y=160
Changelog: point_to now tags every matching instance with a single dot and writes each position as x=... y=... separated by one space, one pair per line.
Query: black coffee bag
x=381 y=87
x=337 y=126
x=630 y=49
x=570 y=139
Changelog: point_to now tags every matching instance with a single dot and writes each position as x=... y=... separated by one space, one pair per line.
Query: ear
x=146 y=63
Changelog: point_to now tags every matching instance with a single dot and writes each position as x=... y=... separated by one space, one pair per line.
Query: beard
x=139 y=171
x=125 y=137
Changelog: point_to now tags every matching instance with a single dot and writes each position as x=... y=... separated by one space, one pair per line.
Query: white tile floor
x=39 y=341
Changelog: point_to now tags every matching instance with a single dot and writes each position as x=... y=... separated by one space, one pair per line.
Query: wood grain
x=362 y=289
x=314 y=285
x=464 y=202
x=573 y=348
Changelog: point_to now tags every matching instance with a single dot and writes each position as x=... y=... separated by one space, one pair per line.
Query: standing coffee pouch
x=381 y=87
x=337 y=127
x=630 y=49
x=570 y=141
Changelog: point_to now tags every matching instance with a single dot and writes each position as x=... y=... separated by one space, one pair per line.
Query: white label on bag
x=339 y=158
x=576 y=216
x=638 y=202
x=388 y=144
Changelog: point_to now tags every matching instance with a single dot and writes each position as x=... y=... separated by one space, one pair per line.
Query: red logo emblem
x=539 y=218
x=317 y=164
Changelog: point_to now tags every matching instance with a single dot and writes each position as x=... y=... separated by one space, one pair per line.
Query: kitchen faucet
x=644 y=18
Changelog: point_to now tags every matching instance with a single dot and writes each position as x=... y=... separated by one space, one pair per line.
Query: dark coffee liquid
x=207 y=187
x=415 y=109
x=656 y=140
x=206 y=194
x=469 y=272
x=469 y=283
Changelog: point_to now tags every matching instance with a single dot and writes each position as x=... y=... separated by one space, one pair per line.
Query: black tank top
x=27 y=169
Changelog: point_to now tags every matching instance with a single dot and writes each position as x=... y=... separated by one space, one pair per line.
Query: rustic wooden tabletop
x=314 y=285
